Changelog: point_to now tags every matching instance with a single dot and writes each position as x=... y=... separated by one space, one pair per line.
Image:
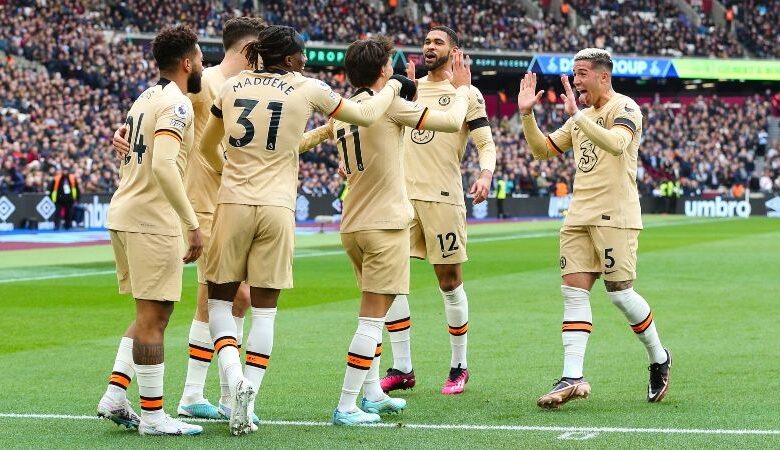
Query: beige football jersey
x=200 y=180
x=265 y=115
x=373 y=160
x=605 y=192
x=432 y=159
x=139 y=205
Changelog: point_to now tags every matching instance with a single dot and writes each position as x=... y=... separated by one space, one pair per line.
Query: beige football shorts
x=605 y=250
x=438 y=232
x=380 y=259
x=148 y=266
x=253 y=244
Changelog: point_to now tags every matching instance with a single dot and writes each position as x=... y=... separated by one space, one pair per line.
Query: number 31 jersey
x=265 y=115
x=139 y=205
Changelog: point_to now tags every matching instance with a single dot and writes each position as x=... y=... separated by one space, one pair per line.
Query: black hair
x=449 y=32
x=172 y=44
x=365 y=58
x=238 y=28
x=274 y=43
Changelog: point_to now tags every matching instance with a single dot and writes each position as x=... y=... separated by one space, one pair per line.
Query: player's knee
x=449 y=278
x=449 y=283
x=614 y=286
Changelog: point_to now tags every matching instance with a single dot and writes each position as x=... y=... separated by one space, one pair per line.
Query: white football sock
x=359 y=359
x=224 y=387
x=639 y=316
x=239 y=330
x=456 y=308
x=150 y=389
x=371 y=388
x=223 y=332
x=259 y=345
x=398 y=323
x=576 y=328
x=123 y=372
x=201 y=352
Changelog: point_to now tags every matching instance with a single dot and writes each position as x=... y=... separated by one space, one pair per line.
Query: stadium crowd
x=62 y=113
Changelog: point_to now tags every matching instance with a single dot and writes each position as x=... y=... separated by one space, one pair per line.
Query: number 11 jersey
x=265 y=115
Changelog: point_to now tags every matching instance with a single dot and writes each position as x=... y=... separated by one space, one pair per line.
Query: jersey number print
x=341 y=135
x=249 y=128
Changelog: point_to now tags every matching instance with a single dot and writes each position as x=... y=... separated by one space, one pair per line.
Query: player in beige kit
x=377 y=214
x=438 y=232
x=262 y=115
x=600 y=233
x=145 y=220
x=202 y=183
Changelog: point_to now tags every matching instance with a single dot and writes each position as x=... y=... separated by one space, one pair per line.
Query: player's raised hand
x=121 y=146
x=461 y=70
x=195 y=246
x=569 y=99
x=410 y=71
x=528 y=97
x=410 y=74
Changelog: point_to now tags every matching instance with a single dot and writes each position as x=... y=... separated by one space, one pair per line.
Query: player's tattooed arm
x=615 y=140
x=315 y=137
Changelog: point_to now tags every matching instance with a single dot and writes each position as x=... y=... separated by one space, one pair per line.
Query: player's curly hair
x=172 y=44
x=365 y=58
x=274 y=43
x=238 y=28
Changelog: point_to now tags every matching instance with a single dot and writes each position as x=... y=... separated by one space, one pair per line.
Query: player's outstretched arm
x=615 y=140
x=315 y=137
x=166 y=171
x=209 y=144
x=367 y=112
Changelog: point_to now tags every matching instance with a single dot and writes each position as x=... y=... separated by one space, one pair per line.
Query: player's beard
x=438 y=63
x=194 y=82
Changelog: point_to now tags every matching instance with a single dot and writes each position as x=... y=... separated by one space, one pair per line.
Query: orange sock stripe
x=399 y=325
x=643 y=325
x=577 y=326
x=225 y=341
x=151 y=403
x=119 y=379
x=459 y=331
x=359 y=361
x=201 y=353
x=378 y=352
x=257 y=359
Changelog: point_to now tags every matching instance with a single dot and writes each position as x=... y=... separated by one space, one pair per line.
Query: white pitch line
x=510 y=237
x=108 y=272
x=424 y=426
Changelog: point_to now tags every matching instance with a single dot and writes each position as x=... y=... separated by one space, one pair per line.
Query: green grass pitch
x=714 y=287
